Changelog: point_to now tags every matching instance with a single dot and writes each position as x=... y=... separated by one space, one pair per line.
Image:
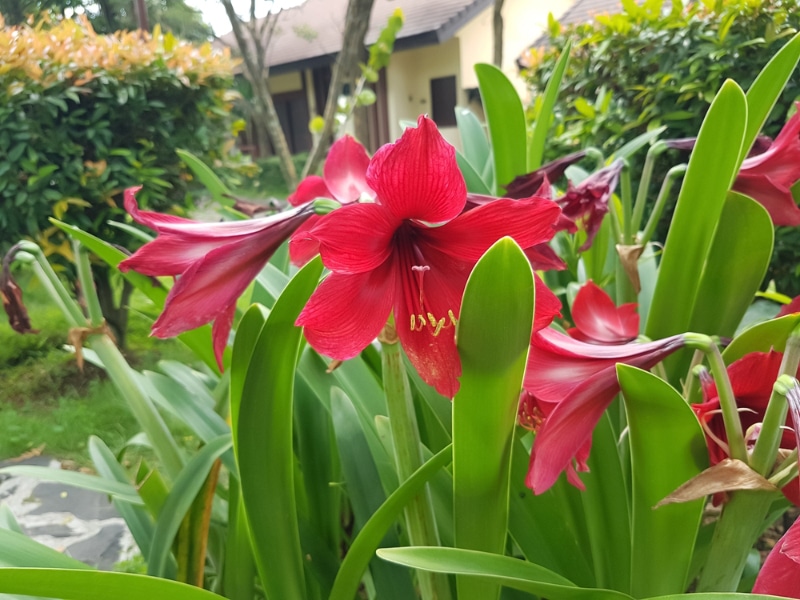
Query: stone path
x=77 y=522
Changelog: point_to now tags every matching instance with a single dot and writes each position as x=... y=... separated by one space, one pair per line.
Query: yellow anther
x=439 y=326
x=422 y=321
x=431 y=319
x=413 y=324
x=452 y=316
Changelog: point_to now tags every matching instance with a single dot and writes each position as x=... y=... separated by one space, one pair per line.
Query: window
x=443 y=101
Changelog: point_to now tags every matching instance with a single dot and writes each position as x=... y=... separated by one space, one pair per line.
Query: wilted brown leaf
x=12 y=298
x=629 y=258
x=726 y=476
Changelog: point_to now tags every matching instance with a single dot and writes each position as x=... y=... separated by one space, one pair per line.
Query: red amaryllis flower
x=780 y=575
x=573 y=383
x=598 y=321
x=587 y=202
x=769 y=176
x=344 y=180
x=752 y=378
x=791 y=308
x=215 y=261
x=387 y=257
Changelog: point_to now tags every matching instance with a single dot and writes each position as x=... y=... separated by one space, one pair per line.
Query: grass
x=46 y=402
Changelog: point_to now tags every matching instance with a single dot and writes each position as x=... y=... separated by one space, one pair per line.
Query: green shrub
x=84 y=116
x=646 y=67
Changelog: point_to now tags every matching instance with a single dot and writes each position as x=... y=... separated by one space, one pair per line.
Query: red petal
x=471 y=234
x=544 y=258
x=773 y=196
x=791 y=308
x=221 y=331
x=780 y=575
x=569 y=427
x=211 y=285
x=311 y=188
x=548 y=306
x=598 y=319
x=301 y=247
x=417 y=177
x=429 y=339
x=346 y=170
x=347 y=312
x=355 y=238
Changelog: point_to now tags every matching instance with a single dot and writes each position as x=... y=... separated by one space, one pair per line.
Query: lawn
x=47 y=404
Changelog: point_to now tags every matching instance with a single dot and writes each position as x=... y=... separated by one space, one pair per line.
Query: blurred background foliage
x=660 y=63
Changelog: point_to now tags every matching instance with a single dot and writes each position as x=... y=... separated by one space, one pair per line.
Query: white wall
x=408 y=82
x=523 y=22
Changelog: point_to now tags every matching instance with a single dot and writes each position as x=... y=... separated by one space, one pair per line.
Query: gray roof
x=311 y=34
x=583 y=11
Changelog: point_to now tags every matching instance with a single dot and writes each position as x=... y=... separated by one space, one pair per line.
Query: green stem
x=644 y=184
x=420 y=521
x=48 y=278
x=87 y=284
x=661 y=201
x=626 y=196
x=727 y=403
x=769 y=439
x=739 y=526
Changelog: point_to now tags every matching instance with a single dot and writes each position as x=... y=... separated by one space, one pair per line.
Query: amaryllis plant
x=478 y=366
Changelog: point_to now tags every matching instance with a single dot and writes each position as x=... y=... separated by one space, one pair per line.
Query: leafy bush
x=645 y=67
x=83 y=116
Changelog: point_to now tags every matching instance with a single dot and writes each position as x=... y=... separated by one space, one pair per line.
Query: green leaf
x=765 y=90
x=659 y=421
x=69 y=584
x=736 y=264
x=493 y=355
x=116 y=489
x=137 y=518
x=18 y=550
x=510 y=572
x=506 y=121
x=545 y=116
x=219 y=191
x=366 y=495
x=369 y=538
x=762 y=337
x=475 y=183
x=477 y=151
x=264 y=440
x=180 y=498
x=712 y=167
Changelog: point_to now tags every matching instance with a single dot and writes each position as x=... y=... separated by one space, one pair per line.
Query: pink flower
x=344 y=180
x=215 y=262
x=573 y=383
x=410 y=254
x=598 y=321
x=780 y=575
x=769 y=176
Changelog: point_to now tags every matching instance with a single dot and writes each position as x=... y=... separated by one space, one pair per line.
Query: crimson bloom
x=215 y=262
x=780 y=575
x=572 y=383
x=752 y=378
x=769 y=176
x=599 y=321
x=389 y=257
x=344 y=180
x=587 y=202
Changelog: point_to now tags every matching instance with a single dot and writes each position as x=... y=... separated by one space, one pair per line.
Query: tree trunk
x=116 y=315
x=253 y=51
x=355 y=30
x=498 y=33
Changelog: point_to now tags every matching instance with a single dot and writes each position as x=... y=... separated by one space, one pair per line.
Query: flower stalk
x=658 y=208
x=420 y=522
x=768 y=442
x=644 y=184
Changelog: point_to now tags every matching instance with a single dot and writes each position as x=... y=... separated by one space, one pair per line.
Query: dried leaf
x=629 y=258
x=12 y=298
x=726 y=476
